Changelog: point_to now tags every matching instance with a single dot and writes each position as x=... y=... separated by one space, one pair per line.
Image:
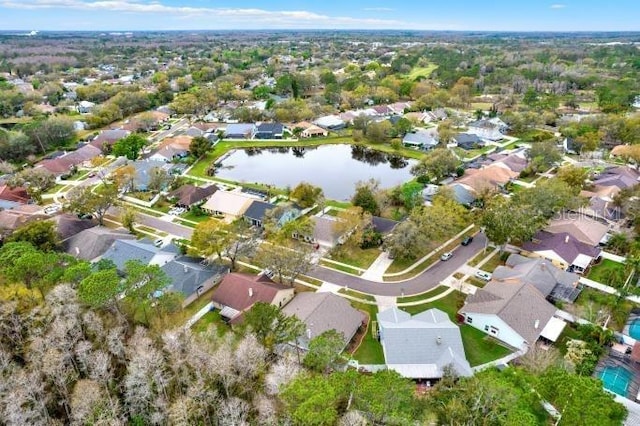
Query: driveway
x=423 y=282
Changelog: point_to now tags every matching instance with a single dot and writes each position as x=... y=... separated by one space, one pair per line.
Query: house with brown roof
x=69 y=225
x=190 y=195
x=12 y=219
x=322 y=312
x=583 y=229
x=16 y=195
x=63 y=164
x=310 y=130
x=238 y=292
x=476 y=181
x=139 y=121
x=514 y=313
x=109 y=137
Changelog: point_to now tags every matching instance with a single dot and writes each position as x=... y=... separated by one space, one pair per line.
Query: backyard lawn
x=608 y=272
x=209 y=318
x=370 y=350
x=479 y=347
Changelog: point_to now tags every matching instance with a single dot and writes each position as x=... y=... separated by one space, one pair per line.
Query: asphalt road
x=429 y=279
x=173 y=229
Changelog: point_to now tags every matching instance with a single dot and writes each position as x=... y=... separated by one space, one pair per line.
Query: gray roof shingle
x=322 y=312
x=429 y=339
x=520 y=305
x=93 y=242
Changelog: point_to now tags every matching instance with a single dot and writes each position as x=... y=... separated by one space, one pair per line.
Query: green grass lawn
x=492 y=263
x=429 y=294
x=476 y=282
x=189 y=215
x=338 y=204
x=449 y=304
x=357 y=294
x=141 y=195
x=423 y=72
x=370 y=350
x=57 y=187
x=355 y=256
x=342 y=268
x=479 y=348
x=607 y=272
x=209 y=318
x=528 y=179
x=512 y=145
x=480 y=257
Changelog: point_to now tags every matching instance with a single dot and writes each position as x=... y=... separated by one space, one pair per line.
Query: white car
x=54 y=208
x=446 y=256
x=483 y=275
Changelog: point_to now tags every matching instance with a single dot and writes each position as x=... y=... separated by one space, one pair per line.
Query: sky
x=457 y=15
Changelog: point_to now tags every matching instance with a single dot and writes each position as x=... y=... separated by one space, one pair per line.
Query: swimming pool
x=616 y=379
x=634 y=328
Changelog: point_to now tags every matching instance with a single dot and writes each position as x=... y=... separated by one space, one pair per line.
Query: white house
x=515 y=313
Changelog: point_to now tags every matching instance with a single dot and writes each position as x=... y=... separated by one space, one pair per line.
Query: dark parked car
x=466 y=241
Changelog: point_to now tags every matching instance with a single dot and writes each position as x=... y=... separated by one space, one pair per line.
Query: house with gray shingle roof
x=94 y=242
x=514 y=313
x=421 y=139
x=422 y=345
x=322 y=312
x=192 y=277
x=551 y=281
x=144 y=251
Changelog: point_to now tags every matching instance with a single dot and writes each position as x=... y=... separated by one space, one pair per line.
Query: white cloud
x=378 y=9
x=251 y=17
x=558 y=6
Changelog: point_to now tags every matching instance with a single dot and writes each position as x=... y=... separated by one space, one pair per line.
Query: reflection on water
x=334 y=168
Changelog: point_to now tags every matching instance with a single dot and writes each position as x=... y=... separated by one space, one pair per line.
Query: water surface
x=334 y=168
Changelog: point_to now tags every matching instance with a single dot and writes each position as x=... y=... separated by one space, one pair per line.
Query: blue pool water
x=616 y=379
x=634 y=329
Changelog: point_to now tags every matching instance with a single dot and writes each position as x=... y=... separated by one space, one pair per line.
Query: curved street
x=427 y=280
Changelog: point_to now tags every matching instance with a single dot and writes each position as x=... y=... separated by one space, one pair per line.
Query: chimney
x=250 y=292
x=536 y=324
x=566 y=239
x=439 y=340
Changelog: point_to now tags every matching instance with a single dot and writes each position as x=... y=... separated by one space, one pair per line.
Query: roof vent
x=566 y=239
x=536 y=324
x=439 y=340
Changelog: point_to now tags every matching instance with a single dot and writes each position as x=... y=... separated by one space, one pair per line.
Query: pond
x=334 y=168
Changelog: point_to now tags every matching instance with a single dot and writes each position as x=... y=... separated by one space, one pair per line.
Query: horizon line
x=330 y=29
